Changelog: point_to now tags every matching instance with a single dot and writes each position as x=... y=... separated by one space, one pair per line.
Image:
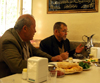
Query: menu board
x=68 y=6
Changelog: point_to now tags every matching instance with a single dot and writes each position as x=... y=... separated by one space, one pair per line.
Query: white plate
x=77 y=60
x=74 y=60
x=55 y=63
x=86 y=69
x=72 y=72
x=69 y=72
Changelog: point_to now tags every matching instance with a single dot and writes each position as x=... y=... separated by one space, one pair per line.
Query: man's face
x=62 y=33
x=31 y=31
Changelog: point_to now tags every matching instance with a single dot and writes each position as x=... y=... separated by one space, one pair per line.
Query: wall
x=79 y=24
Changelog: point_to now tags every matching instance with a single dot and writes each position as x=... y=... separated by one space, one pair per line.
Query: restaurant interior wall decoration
x=79 y=24
x=71 y=6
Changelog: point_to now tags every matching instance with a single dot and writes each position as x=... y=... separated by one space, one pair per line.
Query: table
x=90 y=76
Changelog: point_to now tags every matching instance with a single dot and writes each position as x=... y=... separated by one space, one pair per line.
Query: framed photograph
x=71 y=6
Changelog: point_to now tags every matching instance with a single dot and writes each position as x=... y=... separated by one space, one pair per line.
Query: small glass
x=98 y=63
x=52 y=74
x=91 y=56
x=70 y=60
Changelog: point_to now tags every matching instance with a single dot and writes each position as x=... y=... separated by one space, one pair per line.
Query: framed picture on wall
x=71 y=6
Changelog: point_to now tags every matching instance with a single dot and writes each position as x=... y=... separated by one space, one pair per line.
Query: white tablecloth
x=90 y=76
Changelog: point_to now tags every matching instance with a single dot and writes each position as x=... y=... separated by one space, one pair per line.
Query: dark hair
x=21 y=22
x=57 y=25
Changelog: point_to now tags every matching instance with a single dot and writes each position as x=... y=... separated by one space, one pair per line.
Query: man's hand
x=56 y=58
x=64 y=55
x=79 y=49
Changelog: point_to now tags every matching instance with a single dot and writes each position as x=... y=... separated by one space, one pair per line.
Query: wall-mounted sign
x=71 y=6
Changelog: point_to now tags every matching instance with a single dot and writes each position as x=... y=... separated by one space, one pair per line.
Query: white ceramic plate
x=69 y=73
x=74 y=60
x=86 y=69
x=72 y=72
x=77 y=60
x=55 y=63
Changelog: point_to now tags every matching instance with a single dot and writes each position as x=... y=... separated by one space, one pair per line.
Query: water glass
x=52 y=75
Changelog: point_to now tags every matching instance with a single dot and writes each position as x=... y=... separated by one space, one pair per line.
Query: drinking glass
x=52 y=74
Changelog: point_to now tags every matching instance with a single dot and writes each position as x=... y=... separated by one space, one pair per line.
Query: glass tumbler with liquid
x=52 y=74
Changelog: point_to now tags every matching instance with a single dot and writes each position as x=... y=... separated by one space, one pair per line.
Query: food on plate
x=92 y=60
x=74 y=69
x=84 y=64
x=66 y=65
x=69 y=67
x=88 y=62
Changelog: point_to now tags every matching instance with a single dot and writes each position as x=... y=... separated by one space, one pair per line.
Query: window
x=10 y=10
x=27 y=6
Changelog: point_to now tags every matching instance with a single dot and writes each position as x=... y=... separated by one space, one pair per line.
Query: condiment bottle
x=70 y=60
x=24 y=74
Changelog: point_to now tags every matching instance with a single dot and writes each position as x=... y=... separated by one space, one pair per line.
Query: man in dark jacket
x=15 y=47
x=58 y=44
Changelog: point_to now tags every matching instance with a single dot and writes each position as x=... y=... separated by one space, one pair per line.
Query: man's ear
x=24 y=28
x=56 y=31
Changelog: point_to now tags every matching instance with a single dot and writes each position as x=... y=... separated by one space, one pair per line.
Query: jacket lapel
x=19 y=41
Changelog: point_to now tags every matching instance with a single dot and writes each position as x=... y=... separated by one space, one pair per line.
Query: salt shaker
x=24 y=74
x=52 y=74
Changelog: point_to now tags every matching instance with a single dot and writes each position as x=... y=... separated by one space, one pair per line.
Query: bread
x=69 y=67
x=74 y=69
x=66 y=65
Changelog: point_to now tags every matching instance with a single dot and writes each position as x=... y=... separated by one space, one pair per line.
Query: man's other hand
x=79 y=48
x=64 y=55
x=56 y=58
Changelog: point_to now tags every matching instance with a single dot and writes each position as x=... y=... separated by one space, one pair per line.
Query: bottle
x=24 y=74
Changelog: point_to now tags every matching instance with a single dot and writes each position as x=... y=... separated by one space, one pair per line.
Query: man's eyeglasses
x=65 y=31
